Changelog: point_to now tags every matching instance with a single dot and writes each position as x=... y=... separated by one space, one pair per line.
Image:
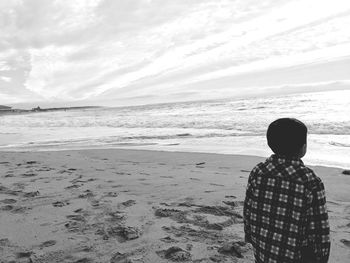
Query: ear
x=305 y=147
x=303 y=150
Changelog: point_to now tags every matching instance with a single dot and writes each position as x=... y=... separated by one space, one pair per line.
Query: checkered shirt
x=285 y=211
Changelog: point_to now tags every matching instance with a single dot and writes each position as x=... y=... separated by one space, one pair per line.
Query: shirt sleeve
x=247 y=208
x=318 y=224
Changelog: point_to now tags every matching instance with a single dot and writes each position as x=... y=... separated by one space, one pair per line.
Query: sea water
x=228 y=126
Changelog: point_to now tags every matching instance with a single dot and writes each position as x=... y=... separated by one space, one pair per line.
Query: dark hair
x=286 y=136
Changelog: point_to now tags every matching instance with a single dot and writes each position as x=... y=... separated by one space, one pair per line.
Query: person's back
x=285 y=216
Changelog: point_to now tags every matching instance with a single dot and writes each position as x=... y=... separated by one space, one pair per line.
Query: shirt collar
x=283 y=159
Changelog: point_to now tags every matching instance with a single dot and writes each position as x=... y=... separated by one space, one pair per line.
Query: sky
x=125 y=52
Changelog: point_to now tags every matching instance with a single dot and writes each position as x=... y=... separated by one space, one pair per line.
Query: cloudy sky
x=117 y=52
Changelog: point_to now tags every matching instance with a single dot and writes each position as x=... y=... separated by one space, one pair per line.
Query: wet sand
x=138 y=206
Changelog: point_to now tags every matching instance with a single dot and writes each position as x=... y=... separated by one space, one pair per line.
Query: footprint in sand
x=121 y=173
x=175 y=254
x=60 y=203
x=112 y=194
x=74 y=226
x=31 y=194
x=9 y=174
x=110 y=181
x=5 y=190
x=165 y=176
x=26 y=254
x=86 y=249
x=48 y=243
x=76 y=180
x=79 y=210
x=19 y=209
x=29 y=174
x=119 y=258
x=115 y=216
x=6 y=208
x=129 y=233
x=87 y=193
x=31 y=162
x=117 y=186
x=84 y=260
x=234 y=203
x=218 y=211
x=169 y=239
x=95 y=203
x=216 y=184
x=345 y=242
x=165 y=204
x=65 y=171
x=44 y=169
x=76 y=218
x=73 y=186
x=234 y=248
x=189 y=247
x=122 y=233
x=8 y=201
x=5 y=242
x=128 y=203
x=165 y=212
x=195 y=219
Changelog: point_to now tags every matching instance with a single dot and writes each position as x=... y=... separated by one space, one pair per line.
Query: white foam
x=224 y=126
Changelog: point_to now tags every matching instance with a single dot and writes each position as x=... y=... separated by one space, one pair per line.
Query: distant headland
x=10 y=110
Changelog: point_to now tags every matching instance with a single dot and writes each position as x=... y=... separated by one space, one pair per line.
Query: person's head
x=287 y=137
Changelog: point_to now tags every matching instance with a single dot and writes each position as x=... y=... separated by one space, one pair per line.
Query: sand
x=138 y=206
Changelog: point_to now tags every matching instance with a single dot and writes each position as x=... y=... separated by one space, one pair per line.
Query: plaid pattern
x=285 y=211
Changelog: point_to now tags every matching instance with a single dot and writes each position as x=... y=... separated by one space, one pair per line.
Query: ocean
x=229 y=126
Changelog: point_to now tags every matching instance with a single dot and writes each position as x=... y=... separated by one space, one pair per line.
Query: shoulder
x=255 y=172
x=258 y=169
x=310 y=179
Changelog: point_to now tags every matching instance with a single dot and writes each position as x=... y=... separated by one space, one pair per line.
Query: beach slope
x=138 y=206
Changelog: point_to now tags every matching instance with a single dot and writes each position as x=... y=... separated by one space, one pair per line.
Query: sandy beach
x=138 y=206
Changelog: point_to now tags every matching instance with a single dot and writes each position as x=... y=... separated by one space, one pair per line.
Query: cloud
x=104 y=49
x=6 y=79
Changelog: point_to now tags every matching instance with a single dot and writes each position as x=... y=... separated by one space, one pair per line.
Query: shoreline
x=134 y=148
